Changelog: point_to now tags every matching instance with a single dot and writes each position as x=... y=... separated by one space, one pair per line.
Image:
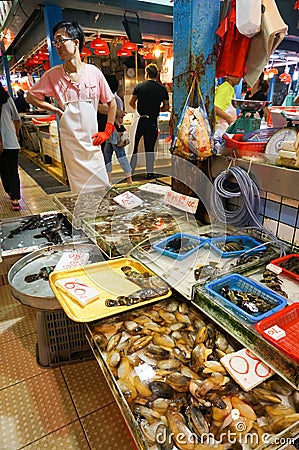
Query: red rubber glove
x=99 y=138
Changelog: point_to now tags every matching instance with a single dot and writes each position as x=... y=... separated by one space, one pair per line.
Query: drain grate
x=46 y=181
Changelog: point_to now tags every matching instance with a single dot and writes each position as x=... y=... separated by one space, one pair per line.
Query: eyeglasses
x=60 y=41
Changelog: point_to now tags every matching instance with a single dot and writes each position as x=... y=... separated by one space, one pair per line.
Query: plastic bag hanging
x=193 y=136
x=248 y=16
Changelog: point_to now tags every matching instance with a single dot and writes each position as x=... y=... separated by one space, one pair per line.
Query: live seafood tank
x=26 y=234
x=163 y=365
x=99 y=204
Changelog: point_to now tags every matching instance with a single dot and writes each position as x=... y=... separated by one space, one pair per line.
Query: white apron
x=84 y=162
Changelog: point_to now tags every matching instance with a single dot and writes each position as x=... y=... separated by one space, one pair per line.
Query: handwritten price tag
x=128 y=200
x=78 y=290
x=275 y=269
x=69 y=260
x=246 y=368
x=180 y=201
x=275 y=332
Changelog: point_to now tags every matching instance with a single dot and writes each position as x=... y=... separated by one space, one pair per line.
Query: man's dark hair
x=73 y=29
x=152 y=70
x=3 y=95
x=113 y=82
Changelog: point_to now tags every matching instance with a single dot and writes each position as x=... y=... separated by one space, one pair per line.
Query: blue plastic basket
x=181 y=254
x=236 y=281
x=248 y=243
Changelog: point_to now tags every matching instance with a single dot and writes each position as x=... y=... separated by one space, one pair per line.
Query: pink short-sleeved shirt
x=56 y=83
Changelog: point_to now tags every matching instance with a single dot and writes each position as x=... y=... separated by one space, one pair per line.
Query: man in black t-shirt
x=147 y=98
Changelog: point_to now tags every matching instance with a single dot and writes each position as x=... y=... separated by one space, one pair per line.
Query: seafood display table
x=162 y=363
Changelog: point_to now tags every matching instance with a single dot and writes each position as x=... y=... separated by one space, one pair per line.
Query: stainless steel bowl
x=249 y=105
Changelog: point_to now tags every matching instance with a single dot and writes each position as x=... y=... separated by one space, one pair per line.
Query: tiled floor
x=68 y=407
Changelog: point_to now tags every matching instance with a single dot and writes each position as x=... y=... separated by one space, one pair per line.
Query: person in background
x=110 y=146
x=20 y=102
x=77 y=88
x=223 y=97
x=10 y=125
x=259 y=92
x=147 y=98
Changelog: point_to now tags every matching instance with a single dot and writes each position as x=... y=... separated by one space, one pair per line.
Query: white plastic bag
x=248 y=16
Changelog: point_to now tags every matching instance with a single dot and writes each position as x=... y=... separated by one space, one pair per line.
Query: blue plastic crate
x=181 y=254
x=248 y=243
x=240 y=283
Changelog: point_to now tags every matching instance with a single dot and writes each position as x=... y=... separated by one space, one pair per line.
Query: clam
x=196 y=421
x=266 y=396
x=201 y=335
x=280 y=387
x=182 y=435
x=141 y=387
x=178 y=382
x=127 y=389
x=124 y=368
x=161 y=389
x=279 y=410
x=163 y=437
x=113 y=359
x=149 y=414
x=156 y=352
x=113 y=341
x=244 y=409
x=163 y=340
x=160 y=405
x=169 y=364
x=101 y=340
x=281 y=423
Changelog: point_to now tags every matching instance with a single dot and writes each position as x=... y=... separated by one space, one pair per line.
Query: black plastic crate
x=60 y=340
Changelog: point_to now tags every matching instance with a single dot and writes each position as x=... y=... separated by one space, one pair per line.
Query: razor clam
x=124 y=368
x=132 y=327
x=141 y=387
x=295 y=400
x=160 y=405
x=149 y=414
x=113 y=341
x=149 y=430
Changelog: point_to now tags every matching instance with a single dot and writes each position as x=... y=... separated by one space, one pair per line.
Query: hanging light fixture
x=85 y=52
x=104 y=51
x=149 y=55
x=158 y=49
x=98 y=43
x=124 y=52
x=127 y=45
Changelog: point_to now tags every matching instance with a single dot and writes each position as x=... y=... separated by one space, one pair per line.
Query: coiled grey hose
x=247 y=193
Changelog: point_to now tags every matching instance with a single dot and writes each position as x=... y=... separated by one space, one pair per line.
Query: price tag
x=246 y=368
x=275 y=332
x=128 y=200
x=69 y=260
x=154 y=188
x=273 y=268
x=180 y=201
x=79 y=291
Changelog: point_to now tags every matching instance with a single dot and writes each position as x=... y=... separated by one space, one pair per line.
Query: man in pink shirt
x=77 y=88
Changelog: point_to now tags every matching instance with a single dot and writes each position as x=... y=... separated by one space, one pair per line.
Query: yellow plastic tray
x=109 y=280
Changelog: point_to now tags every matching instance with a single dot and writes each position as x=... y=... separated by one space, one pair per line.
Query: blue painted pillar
x=194 y=26
x=6 y=68
x=52 y=15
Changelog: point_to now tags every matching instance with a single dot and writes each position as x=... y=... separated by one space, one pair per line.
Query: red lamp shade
x=124 y=52
x=98 y=43
x=127 y=45
x=46 y=66
x=85 y=52
x=104 y=51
